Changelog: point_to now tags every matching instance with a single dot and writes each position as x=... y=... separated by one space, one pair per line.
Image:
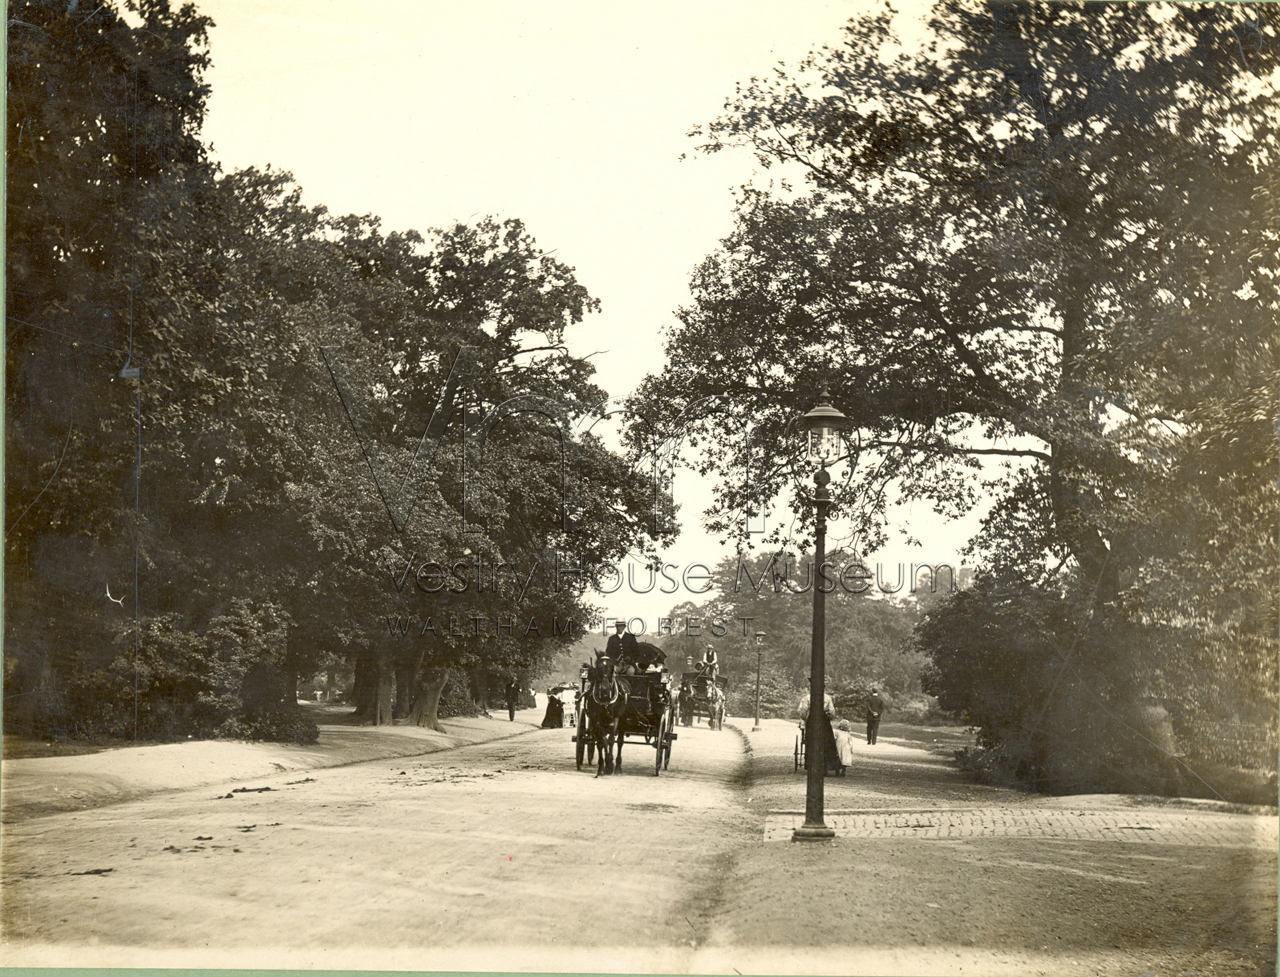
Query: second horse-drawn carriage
x=618 y=701
x=702 y=698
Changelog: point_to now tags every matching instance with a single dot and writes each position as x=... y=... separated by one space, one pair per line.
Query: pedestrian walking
x=513 y=693
x=875 y=706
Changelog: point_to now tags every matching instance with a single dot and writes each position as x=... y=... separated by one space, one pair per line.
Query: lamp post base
x=755 y=729
x=813 y=832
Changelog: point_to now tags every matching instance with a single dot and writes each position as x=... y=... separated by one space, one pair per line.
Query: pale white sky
x=568 y=114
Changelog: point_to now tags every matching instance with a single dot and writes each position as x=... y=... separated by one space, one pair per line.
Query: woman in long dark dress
x=830 y=751
x=554 y=718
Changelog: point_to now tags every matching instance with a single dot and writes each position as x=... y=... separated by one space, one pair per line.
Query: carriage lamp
x=759 y=654
x=824 y=428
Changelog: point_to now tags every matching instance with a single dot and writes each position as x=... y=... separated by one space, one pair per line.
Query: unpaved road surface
x=481 y=852
x=501 y=856
x=47 y=784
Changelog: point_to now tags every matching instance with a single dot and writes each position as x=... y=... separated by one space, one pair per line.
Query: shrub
x=456 y=699
x=280 y=724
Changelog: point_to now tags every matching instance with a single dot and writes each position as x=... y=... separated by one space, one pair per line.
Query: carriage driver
x=622 y=646
x=709 y=665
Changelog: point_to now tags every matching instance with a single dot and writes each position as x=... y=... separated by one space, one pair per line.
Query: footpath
x=931 y=873
x=32 y=787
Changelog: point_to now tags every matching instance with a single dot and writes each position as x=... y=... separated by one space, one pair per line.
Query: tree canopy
x=868 y=633
x=1035 y=260
x=168 y=401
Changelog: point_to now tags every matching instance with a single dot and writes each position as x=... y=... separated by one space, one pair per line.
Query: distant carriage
x=700 y=698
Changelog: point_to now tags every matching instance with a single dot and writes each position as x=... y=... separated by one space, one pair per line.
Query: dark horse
x=606 y=703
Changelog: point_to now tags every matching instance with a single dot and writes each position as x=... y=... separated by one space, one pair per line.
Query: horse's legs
x=600 y=738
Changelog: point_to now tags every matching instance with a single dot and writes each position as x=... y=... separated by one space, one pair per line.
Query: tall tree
x=1044 y=236
x=100 y=116
x=227 y=465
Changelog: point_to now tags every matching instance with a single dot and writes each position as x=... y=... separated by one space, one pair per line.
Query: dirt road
x=501 y=856
x=497 y=854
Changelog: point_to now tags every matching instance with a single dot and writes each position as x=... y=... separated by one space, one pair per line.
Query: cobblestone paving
x=1162 y=827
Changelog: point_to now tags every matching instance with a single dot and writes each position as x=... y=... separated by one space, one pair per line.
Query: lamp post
x=823 y=427
x=759 y=654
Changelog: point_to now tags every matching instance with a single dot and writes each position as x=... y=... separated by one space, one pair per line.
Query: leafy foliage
x=1035 y=261
x=867 y=640
x=225 y=470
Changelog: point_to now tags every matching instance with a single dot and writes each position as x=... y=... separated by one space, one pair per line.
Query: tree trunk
x=480 y=690
x=1072 y=502
x=364 y=691
x=405 y=684
x=427 y=702
x=384 y=692
x=330 y=680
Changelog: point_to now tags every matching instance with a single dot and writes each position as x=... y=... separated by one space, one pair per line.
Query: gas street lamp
x=759 y=653
x=824 y=427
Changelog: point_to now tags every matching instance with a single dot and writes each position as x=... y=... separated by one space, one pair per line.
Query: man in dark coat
x=622 y=647
x=875 y=706
x=710 y=664
x=513 y=694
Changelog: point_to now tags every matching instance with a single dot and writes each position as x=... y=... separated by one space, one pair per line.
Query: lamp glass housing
x=824 y=446
x=823 y=427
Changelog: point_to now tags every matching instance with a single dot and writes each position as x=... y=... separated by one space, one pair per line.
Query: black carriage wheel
x=666 y=746
x=663 y=731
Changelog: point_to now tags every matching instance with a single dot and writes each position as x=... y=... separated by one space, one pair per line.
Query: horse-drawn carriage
x=614 y=705
x=701 y=698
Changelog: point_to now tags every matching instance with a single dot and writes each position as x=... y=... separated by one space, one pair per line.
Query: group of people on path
x=837 y=751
